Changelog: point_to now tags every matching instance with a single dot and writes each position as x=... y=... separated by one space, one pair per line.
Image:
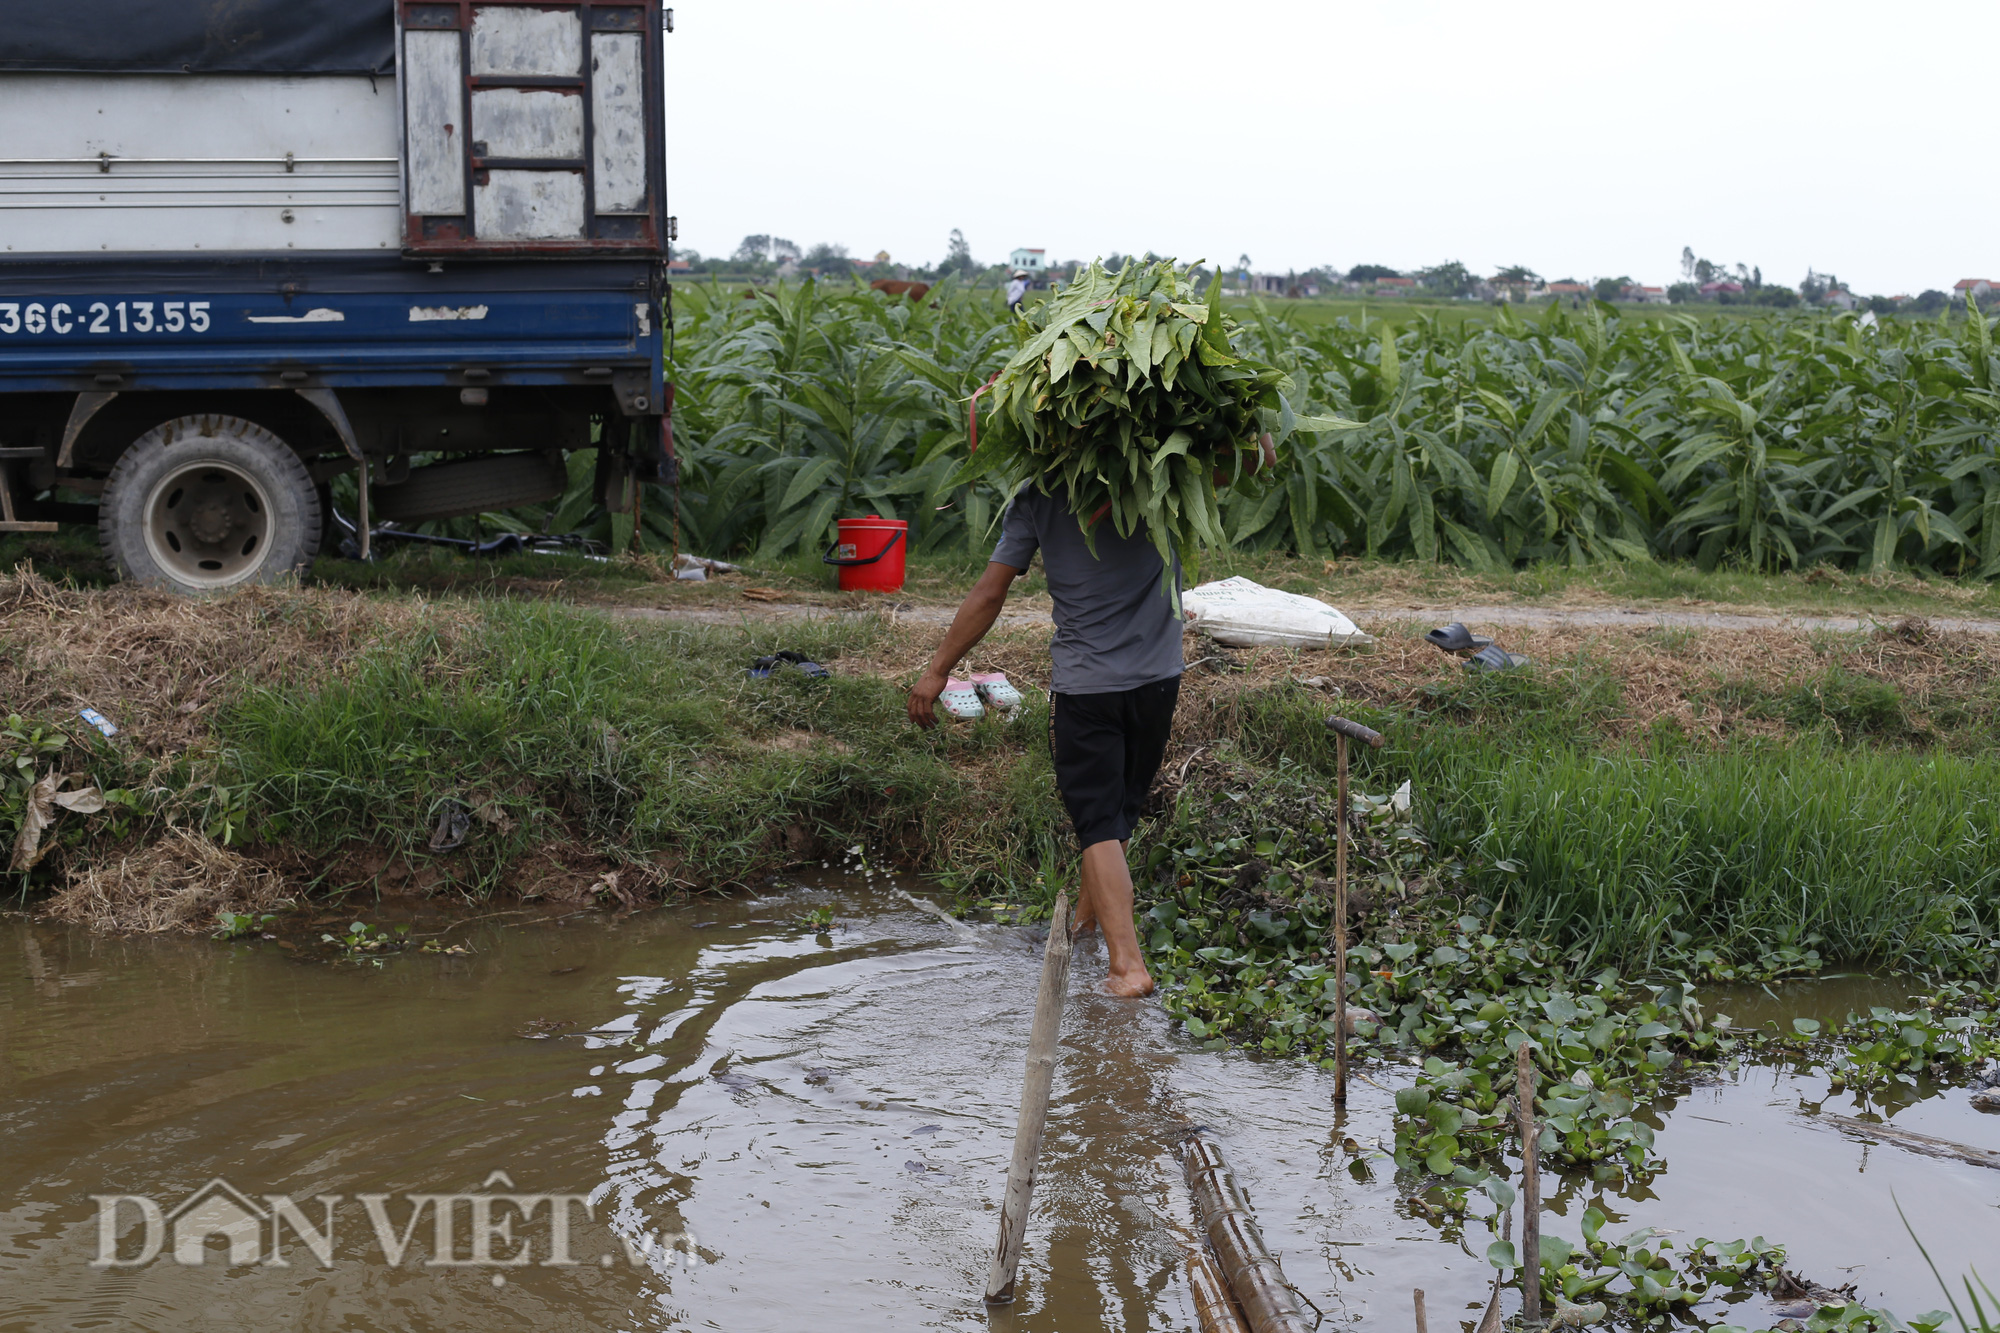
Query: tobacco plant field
x=1557 y=436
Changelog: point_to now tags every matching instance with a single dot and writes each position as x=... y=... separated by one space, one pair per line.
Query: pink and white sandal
x=997 y=691
x=961 y=700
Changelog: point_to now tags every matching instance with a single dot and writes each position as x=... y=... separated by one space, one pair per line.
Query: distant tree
x=1517 y=273
x=1814 y=287
x=1881 y=305
x=1683 y=292
x=1370 y=272
x=782 y=249
x=1687 y=264
x=1930 y=302
x=1450 y=278
x=830 y=261
x=1743 y=276
x=957 y=256
x=1756 y=278
x=1705 y=272
x=1243 y=266
x=1776 y=295
x=753 y=249
x=1114 y=263
x=1610 y=289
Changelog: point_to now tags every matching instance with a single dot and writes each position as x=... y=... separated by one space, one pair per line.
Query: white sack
x=1248 y=615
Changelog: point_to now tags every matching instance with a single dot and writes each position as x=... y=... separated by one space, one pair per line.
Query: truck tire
x=471 y=486
x=207 y=502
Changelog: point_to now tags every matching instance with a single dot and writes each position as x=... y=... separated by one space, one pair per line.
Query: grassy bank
x=1633 y=791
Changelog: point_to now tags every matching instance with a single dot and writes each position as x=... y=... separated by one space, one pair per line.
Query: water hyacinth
x=1132 y=398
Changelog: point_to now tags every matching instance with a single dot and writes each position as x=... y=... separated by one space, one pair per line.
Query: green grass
x=1848 y=828
x=637 y=745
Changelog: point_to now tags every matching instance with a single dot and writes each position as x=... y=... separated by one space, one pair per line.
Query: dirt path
x=1477 y=617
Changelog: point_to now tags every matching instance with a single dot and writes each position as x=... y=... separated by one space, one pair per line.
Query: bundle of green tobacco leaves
x=1129 y=396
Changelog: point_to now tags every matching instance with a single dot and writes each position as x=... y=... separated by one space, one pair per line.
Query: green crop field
x=1484 y=437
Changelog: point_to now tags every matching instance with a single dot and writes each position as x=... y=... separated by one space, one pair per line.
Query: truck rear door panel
x=528 y=126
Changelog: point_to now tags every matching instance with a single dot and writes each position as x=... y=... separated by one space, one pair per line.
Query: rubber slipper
x=806 y=665
x=1456 y=638
x=961 y=701
x=762 y=668
x=996 y=691
x=1491 y=658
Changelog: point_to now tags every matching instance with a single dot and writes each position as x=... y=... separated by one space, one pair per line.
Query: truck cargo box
x=440 y=127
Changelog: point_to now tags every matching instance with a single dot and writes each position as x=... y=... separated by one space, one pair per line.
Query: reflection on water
x=787 y=1130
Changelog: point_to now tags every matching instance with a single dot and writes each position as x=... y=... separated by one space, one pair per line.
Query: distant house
x=1979 y=287
x=1036 y=262
x=678 y=266
x=1562 y=289
x=1722 y=288
x=1644 y=295
x=1840 y=299
x=1396 y=286
x=1281 y=284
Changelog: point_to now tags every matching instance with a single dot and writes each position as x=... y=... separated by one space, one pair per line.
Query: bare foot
x=1127 y=987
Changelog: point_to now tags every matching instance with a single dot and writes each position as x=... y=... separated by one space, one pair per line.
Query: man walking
x=1117 y=675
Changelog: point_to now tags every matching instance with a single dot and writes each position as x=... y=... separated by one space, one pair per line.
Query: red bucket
x=870 y=553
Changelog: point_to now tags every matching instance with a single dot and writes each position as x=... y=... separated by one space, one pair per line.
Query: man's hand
x=924 y=697
x=975 y=616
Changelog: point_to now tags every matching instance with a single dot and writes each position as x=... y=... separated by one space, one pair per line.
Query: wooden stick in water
x=1343 y=731
x=1531 y=1188
x=1340 y=932
x=1034 y=1106
x=1915 y=1142
x=1422 y=1325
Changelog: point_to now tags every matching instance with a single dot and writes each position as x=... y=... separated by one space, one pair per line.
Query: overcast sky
x=1581 y=139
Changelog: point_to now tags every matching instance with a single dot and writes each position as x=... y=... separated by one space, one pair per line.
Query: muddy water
x=773 y=1130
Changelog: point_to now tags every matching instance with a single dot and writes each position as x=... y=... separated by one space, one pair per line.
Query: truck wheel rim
x=208 y=524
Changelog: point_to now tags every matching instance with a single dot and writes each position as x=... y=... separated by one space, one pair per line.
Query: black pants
x=1107 y=747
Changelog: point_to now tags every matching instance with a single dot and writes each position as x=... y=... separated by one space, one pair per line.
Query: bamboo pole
x=1915 y=1142
x=1423 y=1326
x=1531 y=1187
x=1340 y=932
x=1489 y=1322
x=1253 y=1275
x=1034 y=1106
x=1214 y=1308
x=1343 y=730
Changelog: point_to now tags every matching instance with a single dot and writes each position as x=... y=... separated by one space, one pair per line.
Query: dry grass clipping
x=155 y=662
x=179 y=883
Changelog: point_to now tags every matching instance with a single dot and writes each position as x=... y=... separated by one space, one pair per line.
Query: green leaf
x=1506 y=467
x=1501 y=1254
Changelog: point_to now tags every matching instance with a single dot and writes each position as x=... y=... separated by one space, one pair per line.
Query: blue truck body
x=71 y=325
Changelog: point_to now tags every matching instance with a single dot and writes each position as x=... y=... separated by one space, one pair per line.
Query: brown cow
x=916 y=291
